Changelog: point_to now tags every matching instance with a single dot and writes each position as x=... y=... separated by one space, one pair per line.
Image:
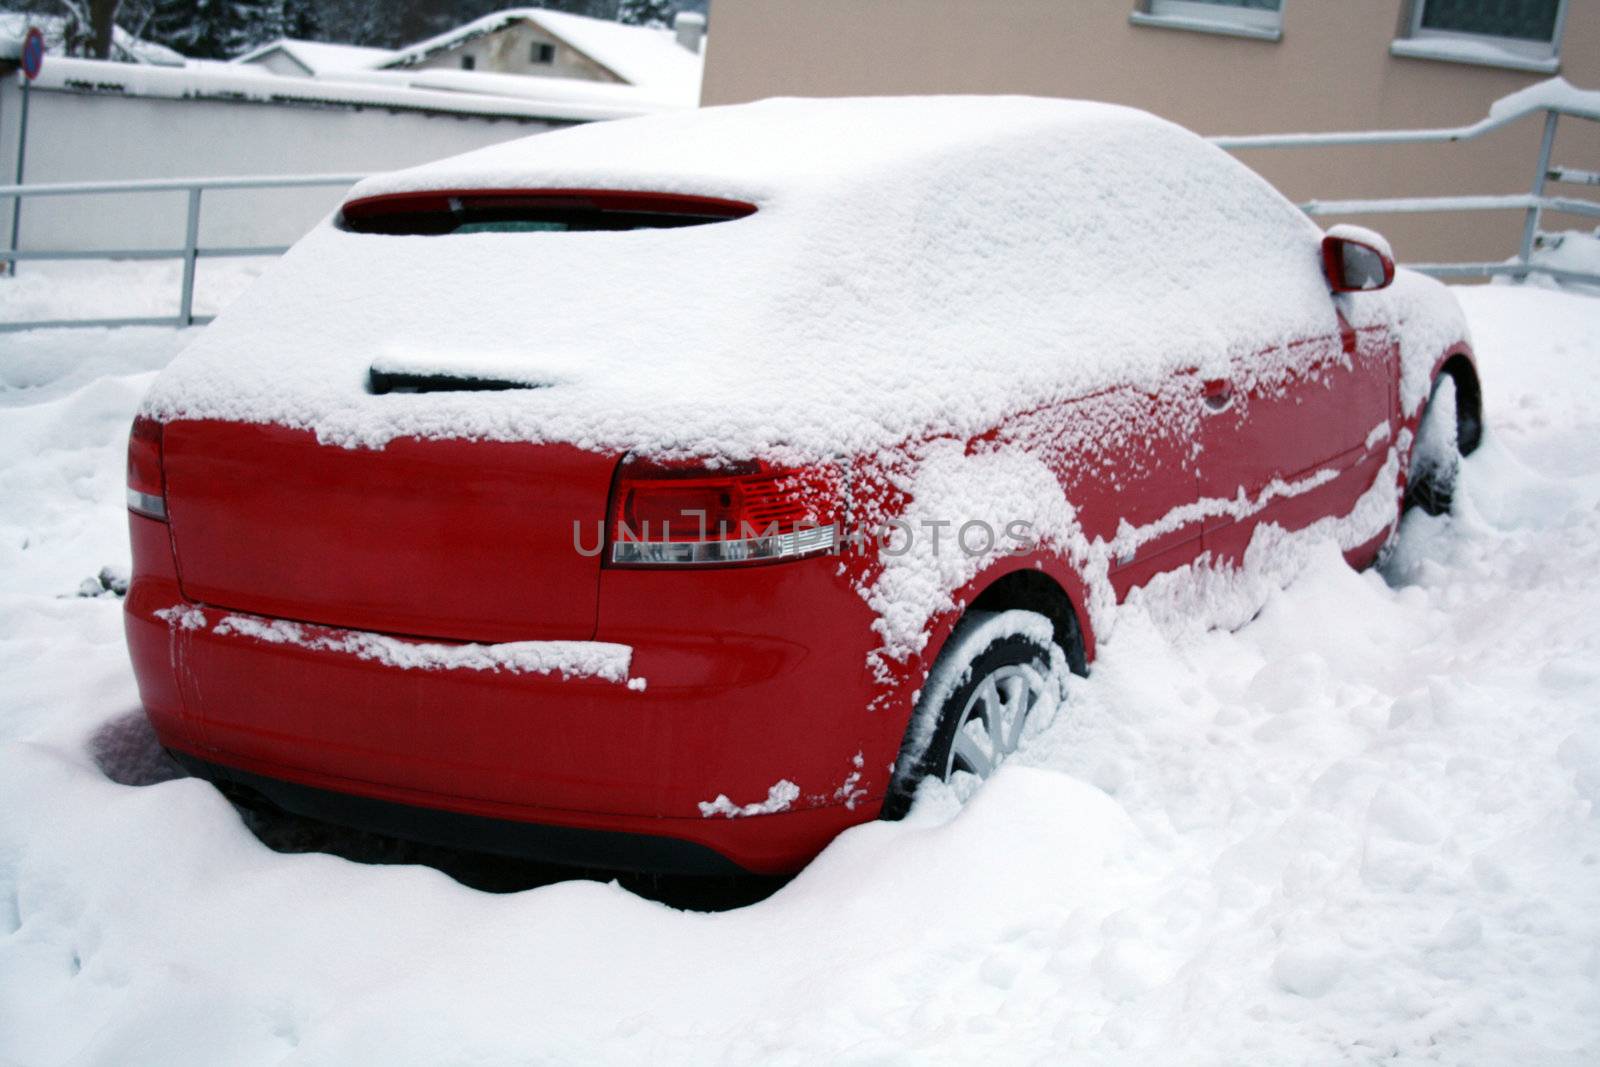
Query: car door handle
x=1218 y=395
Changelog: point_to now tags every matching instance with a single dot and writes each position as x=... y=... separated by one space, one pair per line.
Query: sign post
x=32 y=62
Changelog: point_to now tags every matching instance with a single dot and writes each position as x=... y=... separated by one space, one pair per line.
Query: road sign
x=33 y=53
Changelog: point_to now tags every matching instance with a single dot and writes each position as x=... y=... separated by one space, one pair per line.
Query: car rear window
x=532 y=212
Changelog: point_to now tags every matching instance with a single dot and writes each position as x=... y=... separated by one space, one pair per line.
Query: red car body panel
x=1135 y=477
x=1277 y=430
x=468 y=541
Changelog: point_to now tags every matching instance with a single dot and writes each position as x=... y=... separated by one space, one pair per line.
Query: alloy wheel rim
x=994 y=720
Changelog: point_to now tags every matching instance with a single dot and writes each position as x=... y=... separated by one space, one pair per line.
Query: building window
x=469 y=62
x=1261 y=19
x=543 y=53
x=1519 y=34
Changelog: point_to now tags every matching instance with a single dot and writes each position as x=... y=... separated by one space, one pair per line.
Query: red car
x=673 y=494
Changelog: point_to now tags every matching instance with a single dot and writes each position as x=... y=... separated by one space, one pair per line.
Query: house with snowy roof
x=534 y=42
x=518 y=52
x=311 y=59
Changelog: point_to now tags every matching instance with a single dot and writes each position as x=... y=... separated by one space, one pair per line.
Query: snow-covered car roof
x=915 y=266
x=766 y=150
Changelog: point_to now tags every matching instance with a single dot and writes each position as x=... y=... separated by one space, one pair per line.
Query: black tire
x=1007 y=657
x=1436 y=454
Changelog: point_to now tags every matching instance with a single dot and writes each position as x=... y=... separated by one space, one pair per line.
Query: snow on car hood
x=915 y=266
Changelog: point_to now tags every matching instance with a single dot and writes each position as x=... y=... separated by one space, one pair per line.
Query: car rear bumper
x=773 y=730
x=661 y=846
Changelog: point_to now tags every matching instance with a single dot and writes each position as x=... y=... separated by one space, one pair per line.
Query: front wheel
x=995 y=683
x=1436 y=455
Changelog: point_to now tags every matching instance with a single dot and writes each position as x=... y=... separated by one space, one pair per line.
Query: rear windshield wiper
x=382 y=381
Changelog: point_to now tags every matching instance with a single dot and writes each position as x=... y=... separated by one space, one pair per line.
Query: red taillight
x=145 y=493
x=666 y=514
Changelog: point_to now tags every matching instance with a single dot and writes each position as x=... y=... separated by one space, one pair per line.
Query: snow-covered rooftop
x=320 y=57
x=639 y=55
x=607 y=99
x=657 y=72
x=453 y=92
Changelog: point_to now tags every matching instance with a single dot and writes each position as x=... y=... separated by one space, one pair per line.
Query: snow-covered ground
x=1362 y=827
x=108 y=289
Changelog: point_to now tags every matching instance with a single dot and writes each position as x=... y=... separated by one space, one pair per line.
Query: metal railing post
x=22 y=155
x=1530 y=227
x=191 y=245
x=189 y=252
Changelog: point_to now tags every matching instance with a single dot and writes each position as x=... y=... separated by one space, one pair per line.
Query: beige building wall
x=1330 y=71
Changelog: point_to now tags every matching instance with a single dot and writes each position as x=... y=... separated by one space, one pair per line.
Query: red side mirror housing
x=1356 y=261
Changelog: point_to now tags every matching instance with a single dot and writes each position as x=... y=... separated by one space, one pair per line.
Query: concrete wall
x=85 y=137
x=510 y=51
x=1330 y=71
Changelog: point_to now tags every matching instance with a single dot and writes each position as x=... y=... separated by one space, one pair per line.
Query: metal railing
x=1533 y=204
x=190 y=253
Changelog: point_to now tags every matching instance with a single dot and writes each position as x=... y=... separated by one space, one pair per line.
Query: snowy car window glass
x=513 y=226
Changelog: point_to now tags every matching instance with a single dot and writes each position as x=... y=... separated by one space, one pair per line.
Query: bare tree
x=87 y=26
x=102 y=23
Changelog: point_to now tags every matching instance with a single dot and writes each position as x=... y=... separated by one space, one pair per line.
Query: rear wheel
x=995 y=684
x=1436 y=455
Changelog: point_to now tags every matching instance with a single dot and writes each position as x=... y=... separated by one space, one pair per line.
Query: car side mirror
x=1356 y=263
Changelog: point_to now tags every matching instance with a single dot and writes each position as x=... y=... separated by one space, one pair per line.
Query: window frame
x=542 y=53
x=1225 y=19
x=1481 y=49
